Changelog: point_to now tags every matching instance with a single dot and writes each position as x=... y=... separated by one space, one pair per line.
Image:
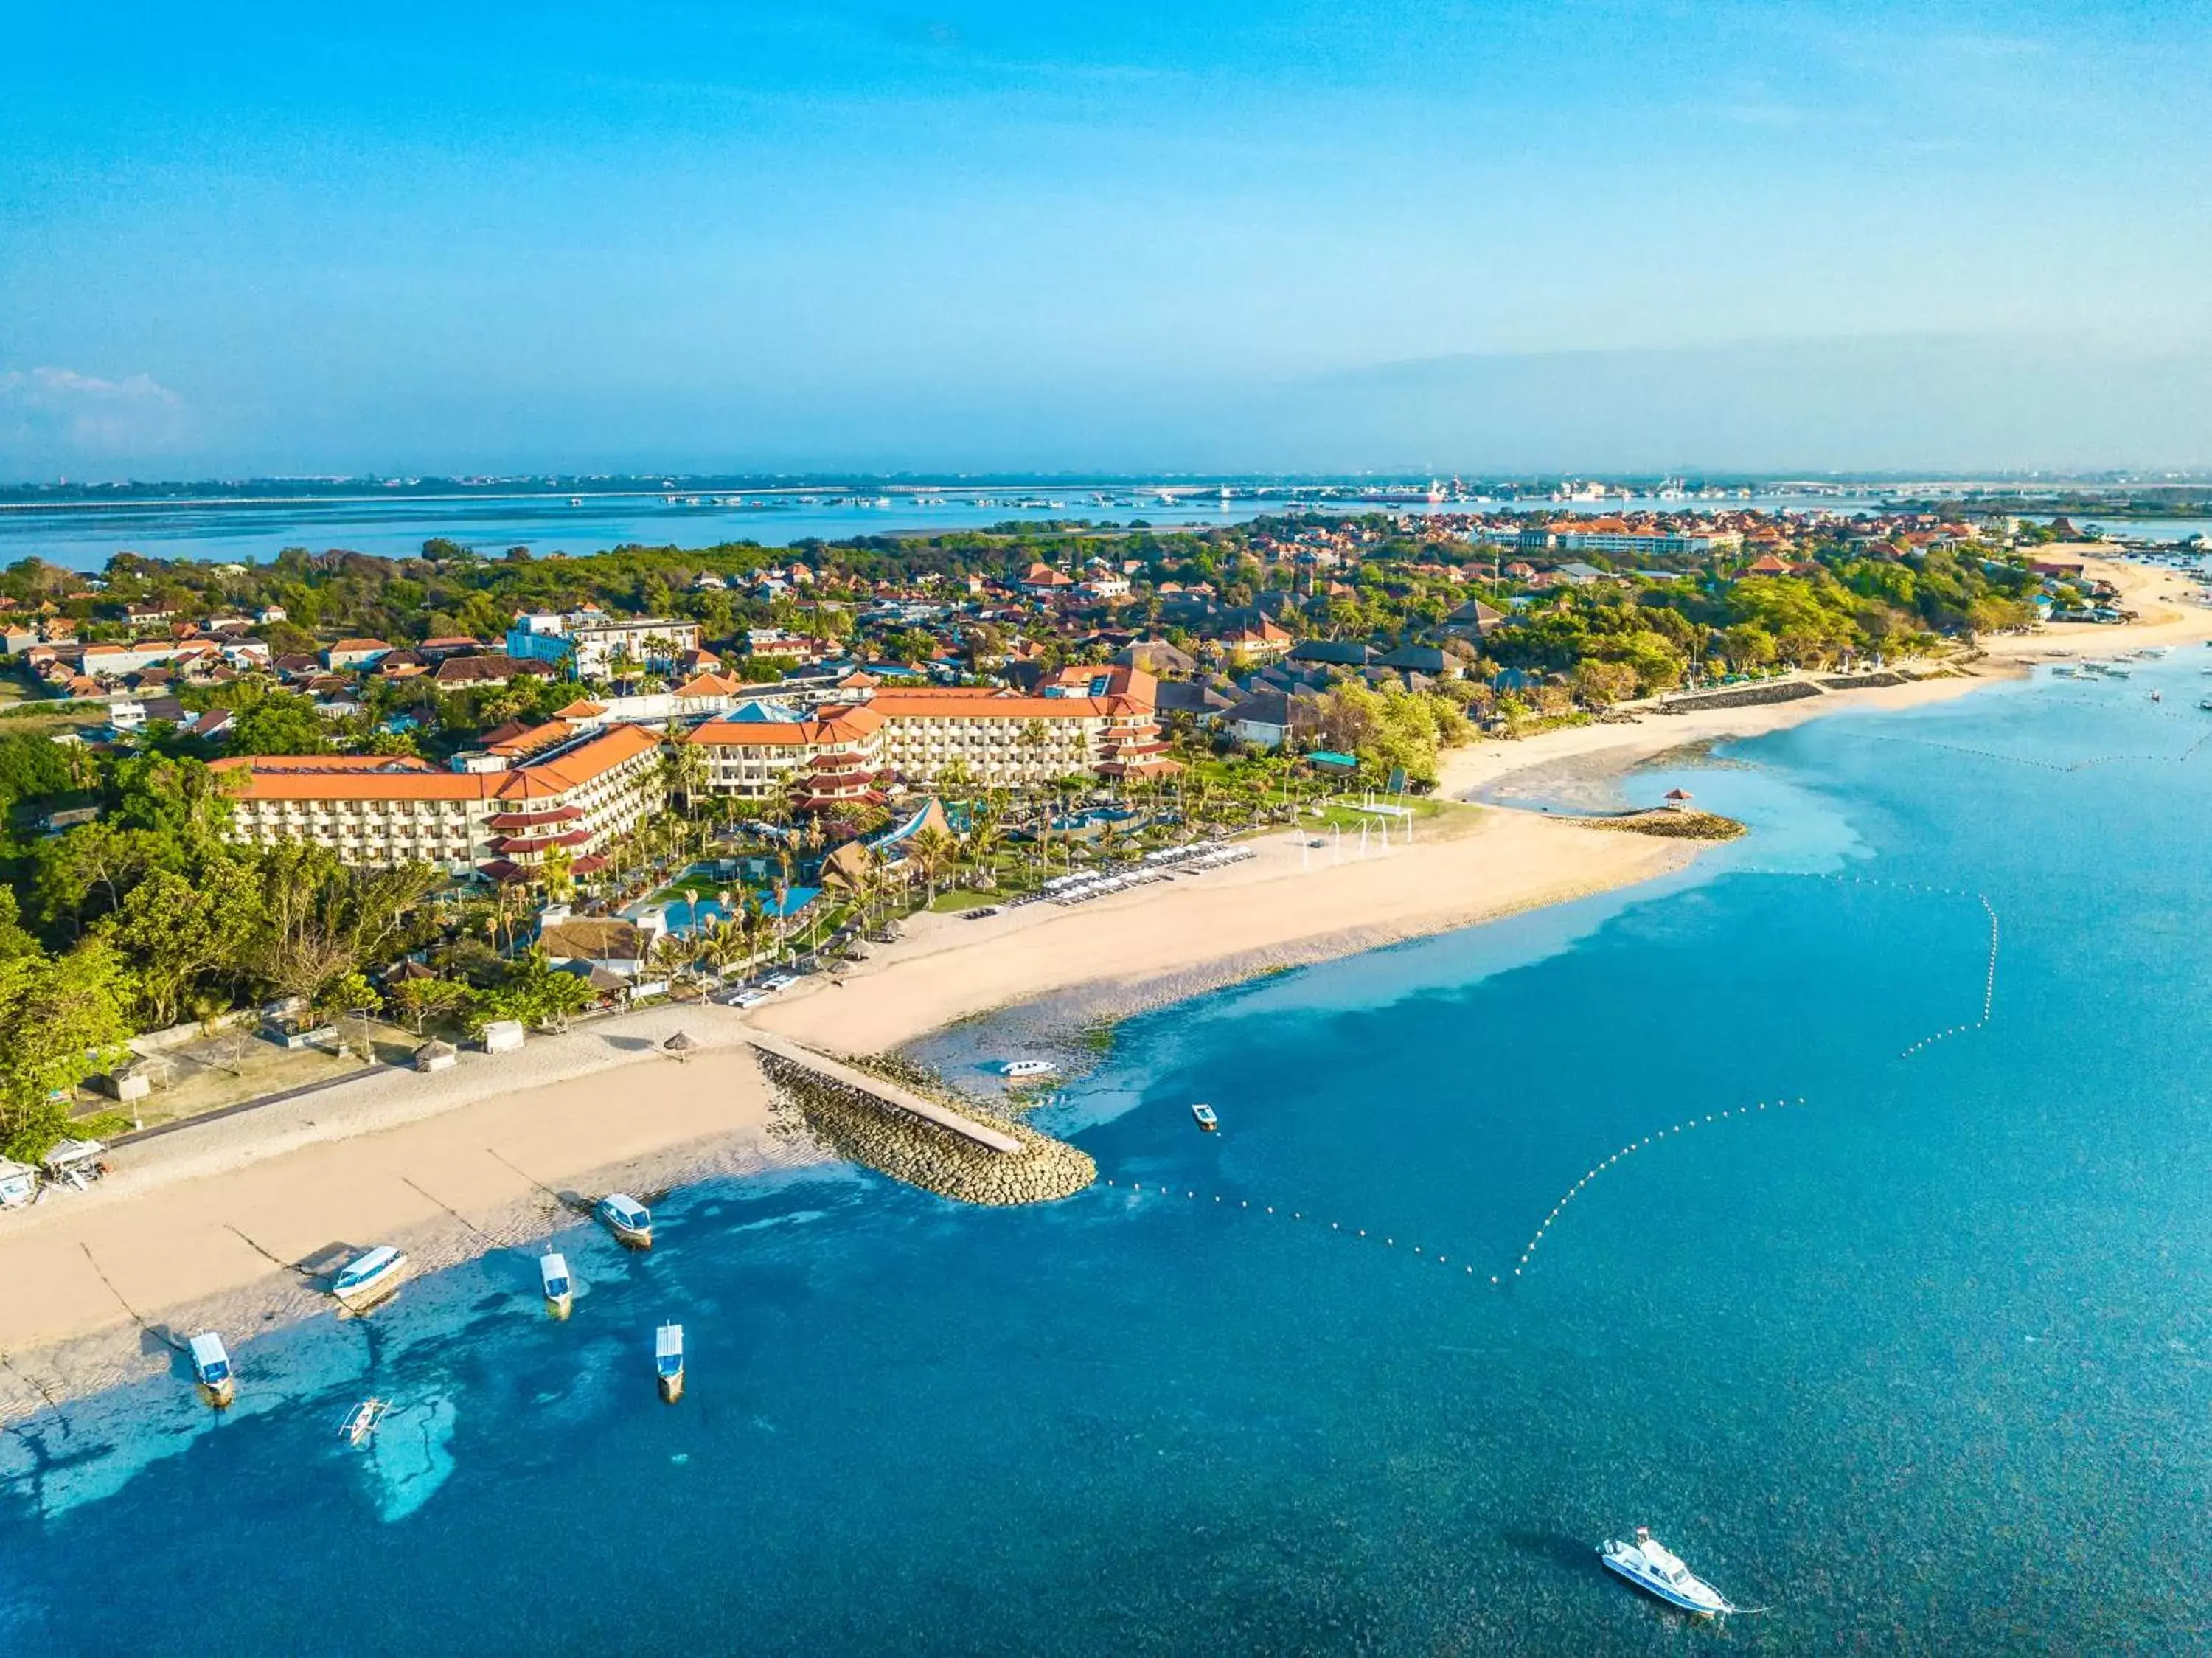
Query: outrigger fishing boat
x=1207 y=1122
x=1655 y=1570
x=367 y=1278
x=211 y=1370
x=627 y=1219
x=560 y=1288
x=668 y=1362
x=360 y=1425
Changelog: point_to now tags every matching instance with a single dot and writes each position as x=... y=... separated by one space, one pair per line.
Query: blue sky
x=1133 y=235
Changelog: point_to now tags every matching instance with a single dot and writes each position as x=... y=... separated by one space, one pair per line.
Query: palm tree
x=723 y=942
x=671 y=954
x=983 y=840
x=557 y=872
x=754 y=926
x=930 y=852
x=683 y=766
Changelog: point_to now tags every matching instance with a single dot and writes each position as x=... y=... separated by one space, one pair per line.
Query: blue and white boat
x=668 y=1362
x=367 y=1278
x=211 y=1370
x=1204 y=1115
x=627 y=1219
x=560 y=1288
x=1655 y=1571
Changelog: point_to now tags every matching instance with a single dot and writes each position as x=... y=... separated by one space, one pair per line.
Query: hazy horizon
x=1483 y=238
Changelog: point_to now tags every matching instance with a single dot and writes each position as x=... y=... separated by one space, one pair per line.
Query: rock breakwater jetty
x=962 y=1151
x=1670 y=823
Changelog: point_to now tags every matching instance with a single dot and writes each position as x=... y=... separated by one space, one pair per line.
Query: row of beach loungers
x=1066 y=890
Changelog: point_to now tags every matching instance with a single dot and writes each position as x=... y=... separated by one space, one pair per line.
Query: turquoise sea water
x=1921 y=1363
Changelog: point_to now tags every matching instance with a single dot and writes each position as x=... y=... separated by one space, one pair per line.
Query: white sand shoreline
x=379 y=1159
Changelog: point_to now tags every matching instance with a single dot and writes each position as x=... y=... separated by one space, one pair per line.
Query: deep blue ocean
x=1924 y=1363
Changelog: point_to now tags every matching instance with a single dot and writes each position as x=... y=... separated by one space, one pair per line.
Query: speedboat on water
x=1207 y=1122
x=627 y=1219
x=211 y=1370
x=668 y=1362
x=369 y=1277
x=1021 y=1067
x=553 y=1278
x=1655 y=1571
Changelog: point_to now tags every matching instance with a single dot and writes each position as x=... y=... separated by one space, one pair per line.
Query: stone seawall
x=1750 y=696
x=862 y=1127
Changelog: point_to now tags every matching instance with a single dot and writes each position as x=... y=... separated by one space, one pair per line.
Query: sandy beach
x=395 y=1157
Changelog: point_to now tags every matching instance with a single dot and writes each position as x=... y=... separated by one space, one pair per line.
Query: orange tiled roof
x=711 y=685
x=379 y=777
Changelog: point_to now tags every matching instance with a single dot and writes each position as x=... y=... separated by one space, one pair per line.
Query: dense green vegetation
x=1652 y=636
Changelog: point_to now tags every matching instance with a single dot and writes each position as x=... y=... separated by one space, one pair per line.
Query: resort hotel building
x=574 y=784
x=1095 y=719
x=495 y=813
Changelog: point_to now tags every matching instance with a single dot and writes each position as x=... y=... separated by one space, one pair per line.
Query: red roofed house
x=354 y=652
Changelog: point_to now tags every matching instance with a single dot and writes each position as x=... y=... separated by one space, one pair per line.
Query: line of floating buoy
x=1928 y=889
x=1388 y=1241
x=1528 y=1251
x=2065 y=767
x=1989 y=988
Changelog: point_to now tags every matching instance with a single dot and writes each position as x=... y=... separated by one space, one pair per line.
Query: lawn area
x=1445 y=820
x=961 y=899
x=698 y=883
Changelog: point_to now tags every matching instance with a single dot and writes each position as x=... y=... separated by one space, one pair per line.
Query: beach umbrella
x=679 y=1046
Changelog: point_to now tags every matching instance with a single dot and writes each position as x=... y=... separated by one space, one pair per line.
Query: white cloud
x=56 y=416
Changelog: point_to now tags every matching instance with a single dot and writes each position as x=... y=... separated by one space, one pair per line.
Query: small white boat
x=627 y=1219
x=668 y=1362
x=1207 y=1122
x=1655 y=1570
x=211 y=1370
x=368 y=1279
x=359 y=1426
x=560 y=1288
x=1028 y=1067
